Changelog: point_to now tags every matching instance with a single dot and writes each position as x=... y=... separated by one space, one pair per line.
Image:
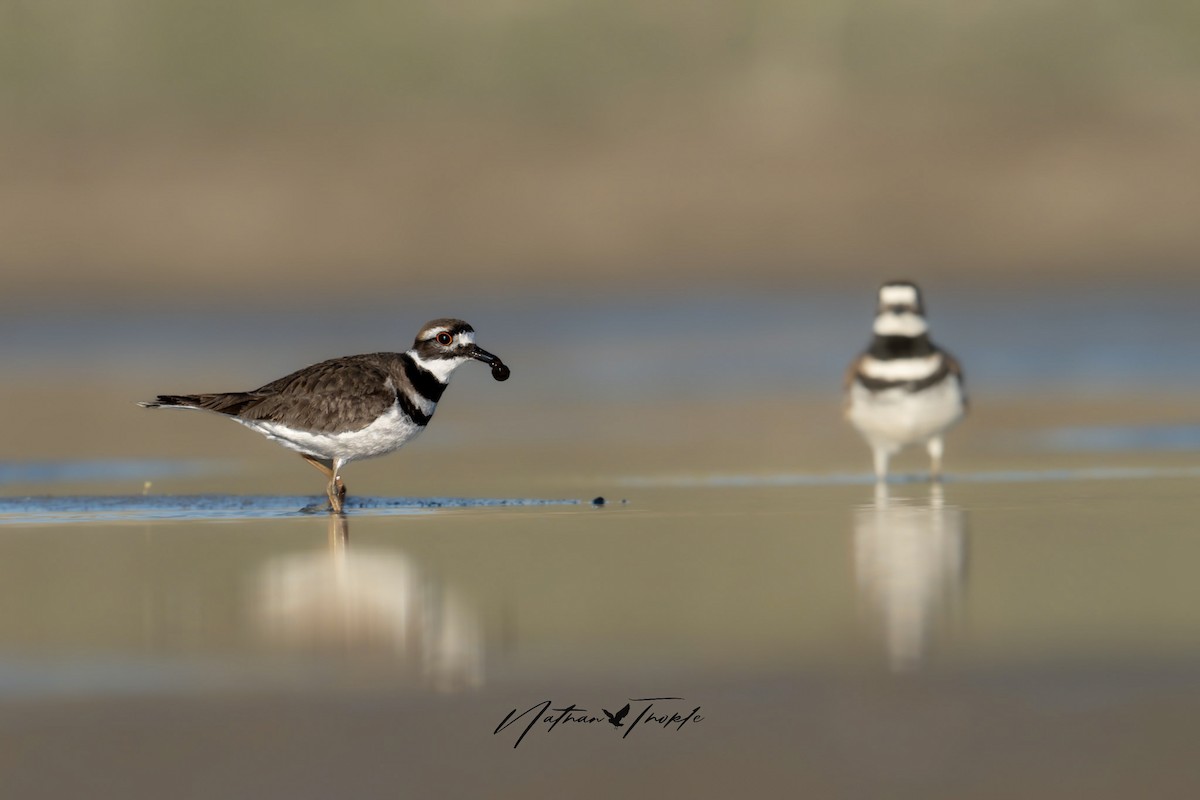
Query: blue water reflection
x=108 y=508
x=1122 y=438
x=615 y=344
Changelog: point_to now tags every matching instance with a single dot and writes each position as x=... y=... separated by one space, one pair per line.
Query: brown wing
x=848 y=381
x=343 y=394
x=955 y=369
x=851 y=372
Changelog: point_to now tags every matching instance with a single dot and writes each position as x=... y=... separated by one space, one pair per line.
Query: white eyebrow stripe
x=898 y=296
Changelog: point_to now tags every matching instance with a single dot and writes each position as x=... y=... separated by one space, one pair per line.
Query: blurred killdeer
x=352 y=407
x=904 y=389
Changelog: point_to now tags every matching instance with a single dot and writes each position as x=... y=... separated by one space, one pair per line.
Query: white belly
x=384 y=435
x=894 y=418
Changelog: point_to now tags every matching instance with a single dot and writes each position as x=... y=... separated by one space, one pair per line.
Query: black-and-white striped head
x=901 y=310
x=443 y=345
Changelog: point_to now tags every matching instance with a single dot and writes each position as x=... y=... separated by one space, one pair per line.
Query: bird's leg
x=935 y=458
x=881 y=463
x=323 y=464
x=335 y=490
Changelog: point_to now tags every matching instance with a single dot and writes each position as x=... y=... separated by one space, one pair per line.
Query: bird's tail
x=224 y=403
x=173 y=401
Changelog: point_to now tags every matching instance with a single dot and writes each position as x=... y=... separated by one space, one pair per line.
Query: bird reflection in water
x=370 y=602
x=910 y=562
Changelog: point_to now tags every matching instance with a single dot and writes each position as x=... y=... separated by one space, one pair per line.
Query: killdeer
x=904 y=389
x=352 y=407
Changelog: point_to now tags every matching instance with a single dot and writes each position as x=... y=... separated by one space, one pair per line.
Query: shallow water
x=832 y=635
x=172 y=604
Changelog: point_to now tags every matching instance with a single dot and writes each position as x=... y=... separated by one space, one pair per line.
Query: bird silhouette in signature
x=615 y=719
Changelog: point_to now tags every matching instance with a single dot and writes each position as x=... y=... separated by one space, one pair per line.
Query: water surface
x=174 y=602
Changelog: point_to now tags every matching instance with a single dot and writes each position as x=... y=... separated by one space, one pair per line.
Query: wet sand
x=1038 y=733
x=1025 y=639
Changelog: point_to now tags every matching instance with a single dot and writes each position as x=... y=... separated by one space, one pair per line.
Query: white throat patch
x=440 y=368
x=906 y=324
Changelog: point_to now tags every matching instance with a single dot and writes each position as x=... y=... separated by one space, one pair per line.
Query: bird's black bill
x=500 y=370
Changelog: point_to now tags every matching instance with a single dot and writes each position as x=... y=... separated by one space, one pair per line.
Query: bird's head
x=443 y=345
x=901 y=310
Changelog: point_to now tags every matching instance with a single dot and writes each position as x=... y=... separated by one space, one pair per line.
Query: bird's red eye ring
x=444 y=338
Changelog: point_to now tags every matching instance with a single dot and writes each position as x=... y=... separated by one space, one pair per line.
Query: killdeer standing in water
x=352 y=407
x=904 y=389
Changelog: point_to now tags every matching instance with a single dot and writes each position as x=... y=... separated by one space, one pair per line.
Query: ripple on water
x=101 y=508
x=733 y=480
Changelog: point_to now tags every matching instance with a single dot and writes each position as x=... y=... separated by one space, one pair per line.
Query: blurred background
x=619 y=195
x=272 y=152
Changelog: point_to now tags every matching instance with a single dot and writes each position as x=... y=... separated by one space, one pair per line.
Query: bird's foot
x=336 y=491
